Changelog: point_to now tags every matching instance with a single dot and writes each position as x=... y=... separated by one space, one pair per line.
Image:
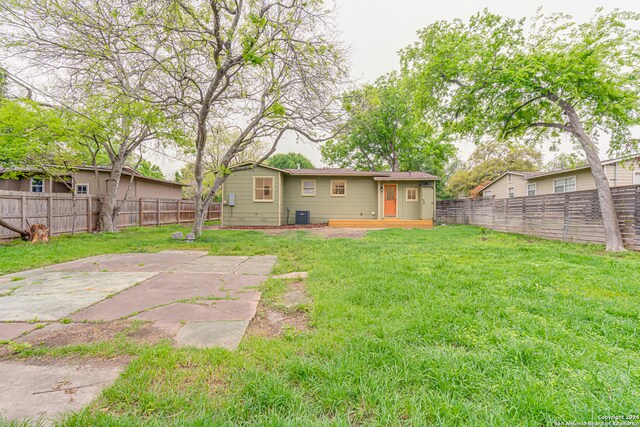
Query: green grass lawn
x=450 y=326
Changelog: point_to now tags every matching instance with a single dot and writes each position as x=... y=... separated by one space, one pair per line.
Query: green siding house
x=267 y=196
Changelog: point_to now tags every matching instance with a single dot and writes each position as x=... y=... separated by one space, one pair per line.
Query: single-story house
x=268 y=196
x=619 y=172
x=84 y=180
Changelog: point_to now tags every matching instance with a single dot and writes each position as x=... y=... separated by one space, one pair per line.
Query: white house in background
x=619 y=172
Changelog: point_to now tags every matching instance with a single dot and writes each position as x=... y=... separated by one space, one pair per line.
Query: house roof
x=376 y=175
x=525 y=175
x=127 y=170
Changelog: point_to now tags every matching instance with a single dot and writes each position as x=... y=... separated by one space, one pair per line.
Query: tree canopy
x=534 y=79
x=489 y=161
x=385 y=132
x=289 y=161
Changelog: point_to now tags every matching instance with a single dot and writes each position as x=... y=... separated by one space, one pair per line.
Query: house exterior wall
x=407 y=210
x=359 y=202
x=140 y=188
x=500 y=188
x=247 y=211
x=619 y=174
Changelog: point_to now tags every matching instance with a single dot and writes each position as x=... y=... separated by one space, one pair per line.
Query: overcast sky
x=377 y=29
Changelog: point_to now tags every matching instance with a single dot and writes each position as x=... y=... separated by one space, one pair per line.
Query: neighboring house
x=619 y=172
x=267 y=196
x=85 y=180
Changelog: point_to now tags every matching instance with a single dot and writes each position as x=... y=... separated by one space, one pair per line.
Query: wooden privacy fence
x=63 y=213
x=573 y=216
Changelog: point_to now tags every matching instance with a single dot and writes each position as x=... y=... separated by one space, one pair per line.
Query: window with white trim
x=82 y=188
x=487 y=193
x=636 y=178
x=511 y=191
x=532 y=189
x=37 y=185
x=509 y=179
x=412 y=194
x=308 y=187
x=263 y=189
x=339 y=188
x=563 y=185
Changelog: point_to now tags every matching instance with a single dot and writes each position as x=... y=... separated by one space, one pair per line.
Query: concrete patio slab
x=32 y=392
x=184 y=312
x=235 y=309
x=155 y=262
x=212 y=265
x=11 y=331
x=212 y=334
x=260 y=265
x=51 y=296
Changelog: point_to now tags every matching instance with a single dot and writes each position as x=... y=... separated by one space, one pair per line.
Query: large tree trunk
x=24 y=233
x=201 y=215
x=612 y=235
x=108 y=200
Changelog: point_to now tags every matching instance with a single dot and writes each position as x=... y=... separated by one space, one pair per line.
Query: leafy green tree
x=146 y=168
x=489 y=161
x=384 y=132
x=536 y=79
x=565 y=161
x=289 y=161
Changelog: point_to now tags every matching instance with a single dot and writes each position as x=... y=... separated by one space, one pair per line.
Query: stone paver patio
x=196 y=299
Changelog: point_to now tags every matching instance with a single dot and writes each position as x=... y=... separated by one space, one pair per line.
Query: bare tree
x=264 y=67
x=91 y=50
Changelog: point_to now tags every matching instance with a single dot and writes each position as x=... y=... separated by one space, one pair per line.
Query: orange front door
x=390 y=200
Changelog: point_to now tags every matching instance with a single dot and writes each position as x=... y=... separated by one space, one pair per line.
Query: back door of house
x=390 y=200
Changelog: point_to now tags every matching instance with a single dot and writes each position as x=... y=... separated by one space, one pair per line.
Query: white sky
x=377 y=29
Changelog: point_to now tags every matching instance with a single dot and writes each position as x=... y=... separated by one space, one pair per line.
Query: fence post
x=23 y=211
x=141 y=210
x=157 y=212
x=50 y=214
x=179 y=213
x=89 y=215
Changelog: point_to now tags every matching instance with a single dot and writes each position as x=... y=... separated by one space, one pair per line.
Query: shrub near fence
x=63 y=213
x=573 y=216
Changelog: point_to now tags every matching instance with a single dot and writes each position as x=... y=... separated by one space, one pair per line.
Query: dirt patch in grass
x=59 y=335
x=282 y=227
x=272 y=320
x=326 y=232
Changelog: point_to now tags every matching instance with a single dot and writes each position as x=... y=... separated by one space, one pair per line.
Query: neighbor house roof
x=127 y=170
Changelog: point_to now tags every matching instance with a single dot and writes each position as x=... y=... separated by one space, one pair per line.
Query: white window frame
x=86 y=185
x=487 y=193
x=407 y=195
x=333 y=181
x=509 y=178
x=302 y=193
x=535 y=189
x=42 y=185
x=564 y=185
x=273 y=190
x=636 y=177
x=509 y=192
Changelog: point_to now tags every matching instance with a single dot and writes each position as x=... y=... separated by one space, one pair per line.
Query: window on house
x=308 y=187
x=636 y=178
x=412 y=194
x=37 y=185
x=263 y=189
x=532 y=189
x=512 y=191
x=339 y=187
x=487 y=193
x=82 y=188
x=508 y=177
x=562 y=185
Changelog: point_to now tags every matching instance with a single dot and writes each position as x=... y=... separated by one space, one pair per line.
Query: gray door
x=426 y=202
